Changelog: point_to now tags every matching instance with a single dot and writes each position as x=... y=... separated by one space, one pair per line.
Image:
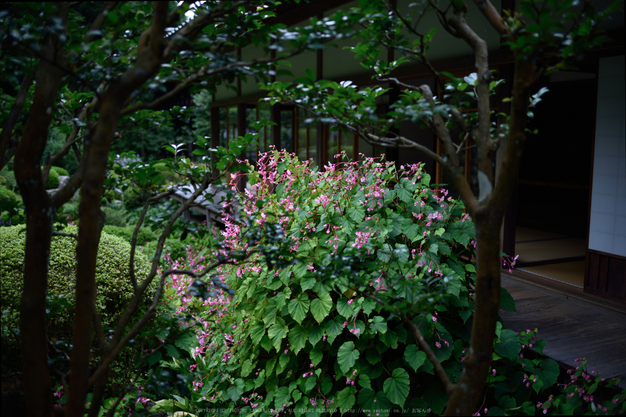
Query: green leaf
x=357 y=214
x=269 y=315
x=365 y=381
x=154 y=358
x=307 y=283
x=246 y=368
x=397 y=387
x=297 y=338
x=315 y=335
x=320 y=307
x=378 y=324
x=509 y=346
x=234 y=392
x=414 y=357
x=277 y=332
x=547 y=372
x=345 y=309
x=347 y=356
x=299 y=307
x=283 y=360
x=257 y=331
x=346 y=398
x=374 y=403
x=411 y=232
x=316 y=357
x=507 y=303
x=384 y=253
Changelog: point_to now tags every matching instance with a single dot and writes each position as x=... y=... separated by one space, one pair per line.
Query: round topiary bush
x=112 y=278
x=53 y=180
x=60 y=171
x=8 y=199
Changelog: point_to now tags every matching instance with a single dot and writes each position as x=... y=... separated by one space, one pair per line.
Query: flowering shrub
x=325 y=258
x=304 y=331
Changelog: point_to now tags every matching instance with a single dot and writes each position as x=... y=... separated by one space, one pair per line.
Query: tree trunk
x=470 y=386
x=39 y=217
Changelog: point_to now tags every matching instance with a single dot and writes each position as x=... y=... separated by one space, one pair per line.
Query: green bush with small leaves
x=61 y=171
x=112 y=278
x=144 y=235
x=53 y=180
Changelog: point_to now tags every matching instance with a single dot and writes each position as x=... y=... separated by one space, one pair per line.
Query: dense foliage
x=315 y=325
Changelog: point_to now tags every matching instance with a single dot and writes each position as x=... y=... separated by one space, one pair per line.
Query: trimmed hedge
x=114 y=287
x=144 y=236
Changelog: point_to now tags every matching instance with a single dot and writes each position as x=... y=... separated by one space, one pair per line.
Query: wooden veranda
x=572 y=326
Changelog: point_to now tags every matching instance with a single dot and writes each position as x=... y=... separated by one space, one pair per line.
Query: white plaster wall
x=607 y=229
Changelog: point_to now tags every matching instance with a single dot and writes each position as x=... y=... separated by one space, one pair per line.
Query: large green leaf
x=297 y=338
x=378 y=324
x=507 y=303
x=269 y=315
x=547 y=372
x=320 y=307
x=277 y=332
x=345 y=309
x=299 y=307
x=235 y=391
x=397 y=387
x=347 y=356
x=345 y=399
x=257 y=330
x=374 y=403
x=509 y=346
x=315 y=335
x=414 y=357
x=356 y=213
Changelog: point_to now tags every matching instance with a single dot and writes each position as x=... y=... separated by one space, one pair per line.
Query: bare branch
x=481 y=134
x=493 y=16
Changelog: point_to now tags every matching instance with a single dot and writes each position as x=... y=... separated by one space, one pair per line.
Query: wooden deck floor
x=572 y=327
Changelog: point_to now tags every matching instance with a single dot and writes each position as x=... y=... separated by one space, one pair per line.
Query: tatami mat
x=534 y=245
x=572 y=273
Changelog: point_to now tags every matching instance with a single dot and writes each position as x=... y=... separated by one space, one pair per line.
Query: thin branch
x=493 y=16
x=481 y=134
x=144 y=211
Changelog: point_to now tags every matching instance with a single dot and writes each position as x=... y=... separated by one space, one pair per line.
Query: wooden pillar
x=215 y=133
x=510 y=217
x=241 y=131
x=319 y=140
x=275 y=128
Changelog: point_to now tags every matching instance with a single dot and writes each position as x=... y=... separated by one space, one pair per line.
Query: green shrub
x=134 y=197
x=8 y=199
x=169 y=176
x=114 y=216
x=7 y=179
x=61 y=171
x=11 y=210
x=144 y=236
x=174 y=248
x=114 y=290
x=114 y=287
x=53 y=180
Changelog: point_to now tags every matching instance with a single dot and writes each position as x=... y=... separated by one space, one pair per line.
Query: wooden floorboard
x=572 y=327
